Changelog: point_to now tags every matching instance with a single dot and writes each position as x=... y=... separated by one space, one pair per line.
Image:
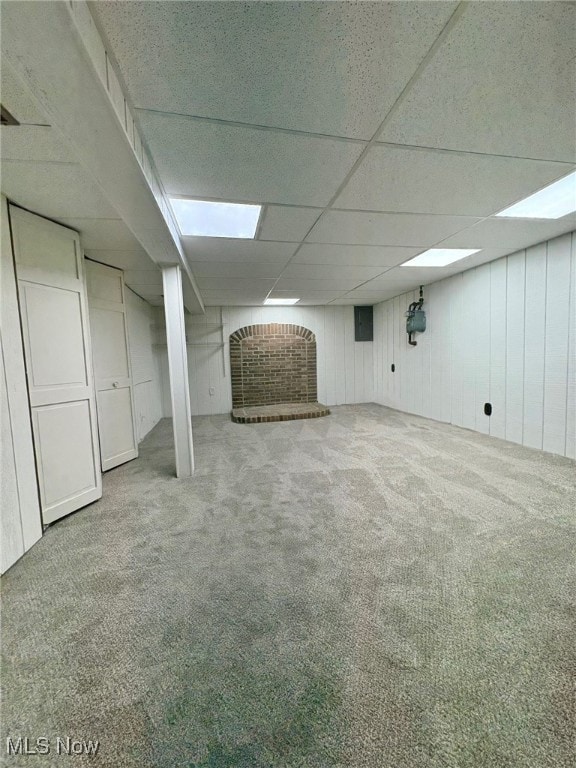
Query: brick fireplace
x=273 y=364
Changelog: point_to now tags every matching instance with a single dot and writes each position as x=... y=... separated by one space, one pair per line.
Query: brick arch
x=273 y=363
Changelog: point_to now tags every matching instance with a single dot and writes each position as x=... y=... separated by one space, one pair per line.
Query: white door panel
x=110 y=359
x=116 y=424
x=54 y=339
x=112 y=374
x=44 y=248
x=58 y=363
x=68 y=474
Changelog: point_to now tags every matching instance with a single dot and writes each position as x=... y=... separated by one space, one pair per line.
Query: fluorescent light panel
x=439 y=257
x=277 y=302
x=552 y=202
x=202 y=218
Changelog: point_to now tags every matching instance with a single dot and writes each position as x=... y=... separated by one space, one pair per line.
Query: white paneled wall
x=144 y=358
x=345 y=367
x=503 y=333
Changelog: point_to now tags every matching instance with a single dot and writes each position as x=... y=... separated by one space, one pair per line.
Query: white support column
x=178 y=370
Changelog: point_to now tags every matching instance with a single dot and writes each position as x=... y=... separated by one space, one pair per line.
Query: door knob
x=115 y=384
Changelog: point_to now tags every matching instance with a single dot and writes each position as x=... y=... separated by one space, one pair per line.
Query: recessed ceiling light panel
x=439 y=257
x=552 y=202
x=202 y=218
x=279 y=302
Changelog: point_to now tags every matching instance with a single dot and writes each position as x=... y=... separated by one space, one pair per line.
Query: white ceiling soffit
x=80 y=95
x=369 y=131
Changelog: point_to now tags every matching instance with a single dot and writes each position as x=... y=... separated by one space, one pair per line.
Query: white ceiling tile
x=121 y=259
x=255 y=285
x=358 y=255
x=502 y=82
x=103 y=234
x=316 y=301
x=228 y=250
x=286 y=223
x=307 y=294
x=398 y=179
x=370 y=300
x=362 y=296
x=55 y=190
x=223 y=298
x=204 y=159
x=411 y=277
x=32 y=142
x=323 y=67
x=330 y=272
x=361 y=228
x=362 y=293
x=344 y=301
x=305 y=284
x=235 y=269
x=510 y=234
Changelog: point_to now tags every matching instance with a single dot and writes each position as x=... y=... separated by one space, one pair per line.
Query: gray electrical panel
x=364 y=323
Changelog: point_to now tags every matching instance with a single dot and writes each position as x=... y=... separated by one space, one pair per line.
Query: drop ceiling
x=369 y=132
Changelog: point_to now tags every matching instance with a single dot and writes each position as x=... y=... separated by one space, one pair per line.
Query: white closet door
x=112 y=374
x=56 y=337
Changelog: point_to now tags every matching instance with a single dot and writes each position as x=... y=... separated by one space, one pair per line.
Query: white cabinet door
x=112 y=374
x=49 y=269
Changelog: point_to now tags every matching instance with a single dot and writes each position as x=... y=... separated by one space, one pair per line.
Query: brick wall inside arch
x=273 y=363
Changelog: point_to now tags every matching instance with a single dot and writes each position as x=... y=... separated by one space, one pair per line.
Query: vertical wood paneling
x=368 y=375
x=436 y=327
x=497 y=388
x=556 y=344
x=377 y=352
x=457 y=344
x=482 y=347
x=534 y=352
x=330 y=355
x=339 y=333
x=515 y=296
x=444 y=372
x=571 y=385
x=321 y=372
x=468 y=328
x=388 y=352
x=398 y=353
x=349 y=355
x=407 y=356
x=418 y=365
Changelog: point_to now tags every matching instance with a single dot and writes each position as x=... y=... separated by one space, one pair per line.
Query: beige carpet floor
x=366 y=590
